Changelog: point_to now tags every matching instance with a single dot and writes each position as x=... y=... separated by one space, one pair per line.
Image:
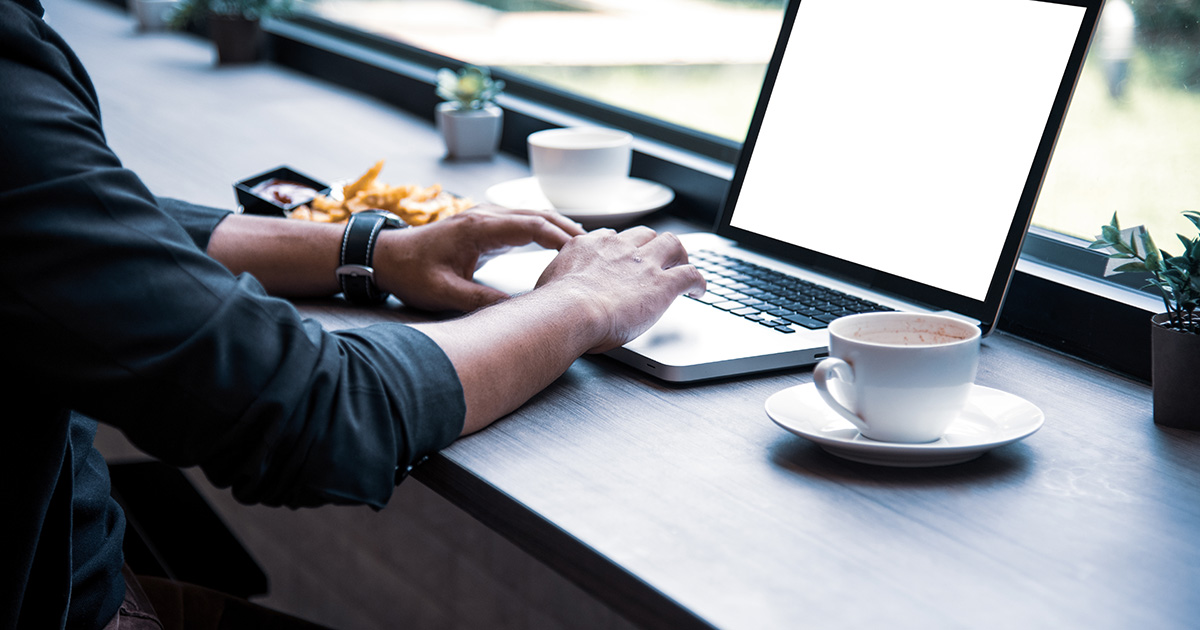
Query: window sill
x=1101 y=323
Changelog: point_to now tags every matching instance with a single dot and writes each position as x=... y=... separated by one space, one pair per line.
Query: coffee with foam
x=910 y=337
x=899 y=377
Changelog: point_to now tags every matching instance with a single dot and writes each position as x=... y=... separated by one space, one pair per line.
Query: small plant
x=472 y=87
x=197 y=11
x=1176 y=277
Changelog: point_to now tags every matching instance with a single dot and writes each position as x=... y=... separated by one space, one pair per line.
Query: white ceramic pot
x=470 y=134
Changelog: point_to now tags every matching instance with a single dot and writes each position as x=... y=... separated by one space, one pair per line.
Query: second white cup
x=899 y=377
x=581 y=167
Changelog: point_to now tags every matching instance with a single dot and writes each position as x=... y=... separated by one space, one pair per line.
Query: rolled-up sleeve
x=198 y=221
x=138 y=328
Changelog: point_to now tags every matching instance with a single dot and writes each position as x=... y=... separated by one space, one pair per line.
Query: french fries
x=416 y=205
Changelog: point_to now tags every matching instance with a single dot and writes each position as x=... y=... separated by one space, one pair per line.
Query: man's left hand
x=431 y=267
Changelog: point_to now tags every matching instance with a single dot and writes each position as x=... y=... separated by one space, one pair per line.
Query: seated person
x=158 y=318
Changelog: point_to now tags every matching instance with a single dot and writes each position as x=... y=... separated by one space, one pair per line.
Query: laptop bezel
x=985 y=311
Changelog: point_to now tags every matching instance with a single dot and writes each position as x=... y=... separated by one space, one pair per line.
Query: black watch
x=354 y=272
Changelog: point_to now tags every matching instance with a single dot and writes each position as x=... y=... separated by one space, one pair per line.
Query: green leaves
x=1176 y=277
x=1132 y=267
x=197 y=11
x=1193 y=216
x=472 y=87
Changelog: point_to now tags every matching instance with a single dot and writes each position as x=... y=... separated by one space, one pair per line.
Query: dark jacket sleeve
x=135 y=326
x=198 y=221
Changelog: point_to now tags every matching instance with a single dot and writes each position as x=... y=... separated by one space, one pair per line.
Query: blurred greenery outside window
x=1130 y=144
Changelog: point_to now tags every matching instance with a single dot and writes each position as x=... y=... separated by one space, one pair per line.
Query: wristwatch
x=354 y=272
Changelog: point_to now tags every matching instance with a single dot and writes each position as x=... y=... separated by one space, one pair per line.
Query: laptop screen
x=903 y=143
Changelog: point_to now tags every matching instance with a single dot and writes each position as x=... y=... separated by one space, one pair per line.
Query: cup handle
x=830 y=368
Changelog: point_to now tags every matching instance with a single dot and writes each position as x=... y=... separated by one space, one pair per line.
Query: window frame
x=1057 y=296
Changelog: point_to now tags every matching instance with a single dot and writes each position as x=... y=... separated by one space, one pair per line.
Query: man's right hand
x=603 y=289
x=625 y=280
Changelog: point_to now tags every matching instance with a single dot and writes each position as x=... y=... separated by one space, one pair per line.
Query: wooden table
x=685 y=506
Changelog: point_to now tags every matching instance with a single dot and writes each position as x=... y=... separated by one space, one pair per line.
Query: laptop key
x=772 y=298
x=805 y=321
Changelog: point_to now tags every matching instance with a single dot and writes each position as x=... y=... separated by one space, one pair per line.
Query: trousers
x=154 y=603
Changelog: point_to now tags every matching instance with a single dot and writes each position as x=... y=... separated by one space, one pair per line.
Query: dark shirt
x=112 y=311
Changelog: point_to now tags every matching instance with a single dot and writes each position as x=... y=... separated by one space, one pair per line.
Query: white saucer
x=991 y=418
x=638 y=198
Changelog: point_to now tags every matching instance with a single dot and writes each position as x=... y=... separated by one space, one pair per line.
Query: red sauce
x=284 y=193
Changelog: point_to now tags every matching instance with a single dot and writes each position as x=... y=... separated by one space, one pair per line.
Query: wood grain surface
x=685 y=506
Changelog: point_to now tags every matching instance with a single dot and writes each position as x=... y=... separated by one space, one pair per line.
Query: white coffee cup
x=581 y=167
x=899 y=377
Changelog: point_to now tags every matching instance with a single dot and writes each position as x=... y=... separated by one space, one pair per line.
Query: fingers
x=666 y=248
x=492 y=230
x=565 y=224
x=689 y=280
x=633 y=237
x=639 y=235
x=669 y=253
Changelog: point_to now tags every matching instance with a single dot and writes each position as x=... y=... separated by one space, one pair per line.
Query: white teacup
x=899 y=377
x=581 y=167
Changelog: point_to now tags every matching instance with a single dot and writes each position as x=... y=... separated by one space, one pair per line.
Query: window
x=689 y=71
x=1131 y=143
x=694 y=63
x=1131 y=140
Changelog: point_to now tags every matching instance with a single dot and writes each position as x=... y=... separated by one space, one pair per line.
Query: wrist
x=357 y=256
x=580 y=310
x=395 y=261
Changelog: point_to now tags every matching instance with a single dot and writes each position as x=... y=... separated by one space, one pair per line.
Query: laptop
x=895 y=156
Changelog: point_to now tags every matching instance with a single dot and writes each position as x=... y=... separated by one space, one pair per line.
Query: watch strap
x=355 y=271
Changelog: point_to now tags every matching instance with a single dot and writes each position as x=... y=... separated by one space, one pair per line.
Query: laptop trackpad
x=689 y=333
x=692 y=333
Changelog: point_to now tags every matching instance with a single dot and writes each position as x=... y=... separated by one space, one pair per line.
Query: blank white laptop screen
x=896 y=151
x=934 y=202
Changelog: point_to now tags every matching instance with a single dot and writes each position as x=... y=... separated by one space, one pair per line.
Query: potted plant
x=153 y=15
x=468 y=119
x=233 y=25
x=1175 y=333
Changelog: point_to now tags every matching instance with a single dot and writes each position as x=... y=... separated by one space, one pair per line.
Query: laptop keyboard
x=771 y=298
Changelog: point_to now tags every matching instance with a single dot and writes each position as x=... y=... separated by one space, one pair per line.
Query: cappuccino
x=899 y=377
x=909 y=337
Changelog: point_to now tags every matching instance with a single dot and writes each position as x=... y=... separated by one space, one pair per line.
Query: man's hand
x=626 y=279
x=430 y=267
x=601 y=291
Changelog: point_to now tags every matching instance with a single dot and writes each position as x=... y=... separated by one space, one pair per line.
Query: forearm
x=289 y=258
x=506 y=353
